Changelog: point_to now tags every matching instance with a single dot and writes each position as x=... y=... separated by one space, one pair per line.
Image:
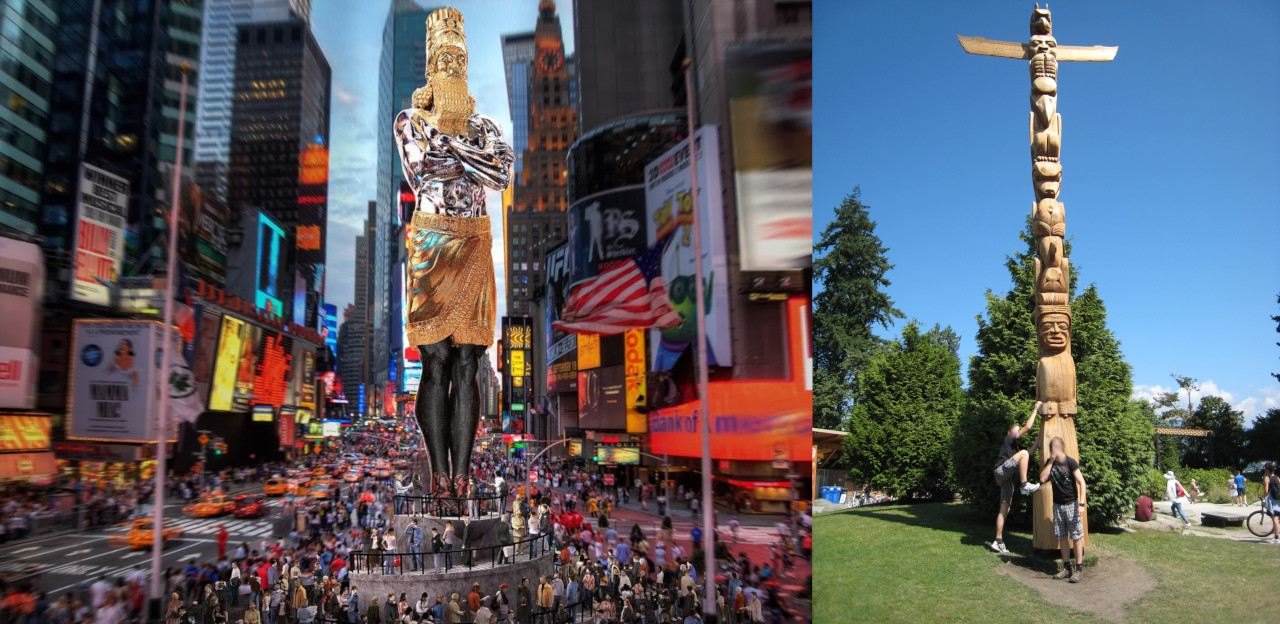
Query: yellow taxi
x=141 y=533
x=297 y=487
x=275 y=487
x=321 y=491
x=351 y=476
x=207 y=506
x=382 y=471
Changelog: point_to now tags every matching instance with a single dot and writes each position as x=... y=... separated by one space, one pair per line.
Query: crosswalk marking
x=261 y=527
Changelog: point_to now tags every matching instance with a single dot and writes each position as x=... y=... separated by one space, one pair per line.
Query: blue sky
x=1169 y=167
x=350 y=33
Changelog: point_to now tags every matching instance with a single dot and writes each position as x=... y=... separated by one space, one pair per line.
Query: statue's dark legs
x=448 y=411
x=464 y=364
x=433 y=417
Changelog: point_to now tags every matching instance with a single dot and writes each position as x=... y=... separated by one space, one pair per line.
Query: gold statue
x=1056 y=370
x=450 y=156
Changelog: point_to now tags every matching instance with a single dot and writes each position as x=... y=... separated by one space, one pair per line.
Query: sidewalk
x=1161 y=520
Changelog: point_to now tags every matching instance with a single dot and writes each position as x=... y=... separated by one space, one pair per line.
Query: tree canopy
x=850 y=267
x=900 y=432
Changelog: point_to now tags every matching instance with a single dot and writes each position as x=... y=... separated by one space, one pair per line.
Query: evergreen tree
x=1114 y=435
x=849 y=268
x=900 y=430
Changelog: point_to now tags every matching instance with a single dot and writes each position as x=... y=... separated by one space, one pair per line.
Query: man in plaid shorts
x=1068 y=501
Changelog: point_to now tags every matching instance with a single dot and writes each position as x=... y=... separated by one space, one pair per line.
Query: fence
x=402 y=562
x=448 y=507
x=578 y=612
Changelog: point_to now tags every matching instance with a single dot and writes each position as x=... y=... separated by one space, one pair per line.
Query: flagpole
x=162 y=425
x=708 y=506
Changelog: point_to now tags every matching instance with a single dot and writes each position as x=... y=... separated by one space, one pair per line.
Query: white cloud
x=344 y=96
x=1254 y=402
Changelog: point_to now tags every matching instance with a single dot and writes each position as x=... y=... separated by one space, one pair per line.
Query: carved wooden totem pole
x=1056 y=371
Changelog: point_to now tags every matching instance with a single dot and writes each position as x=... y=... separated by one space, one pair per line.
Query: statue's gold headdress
x=444 y=28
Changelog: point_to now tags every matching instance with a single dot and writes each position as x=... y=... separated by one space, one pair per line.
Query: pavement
x=64 y=561
x=1162 y=520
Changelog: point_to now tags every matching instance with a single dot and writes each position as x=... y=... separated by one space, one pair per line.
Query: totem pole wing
x=987 y=47
x=1083 y=53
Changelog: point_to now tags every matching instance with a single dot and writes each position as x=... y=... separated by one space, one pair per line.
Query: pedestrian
x=437 y=547
x=1177 y=495
x=1244 y=498
x=413 y=537
x=1006 y=461
x=1271 y=499
x=1068 y=500
x=222 y=541
x=252 y=615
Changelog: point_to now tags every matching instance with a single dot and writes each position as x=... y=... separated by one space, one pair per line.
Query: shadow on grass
x=974 y=529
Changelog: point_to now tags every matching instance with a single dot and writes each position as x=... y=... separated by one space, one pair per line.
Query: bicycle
x=1259 y=522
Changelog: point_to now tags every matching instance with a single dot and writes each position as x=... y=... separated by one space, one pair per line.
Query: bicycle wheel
x=1259 y=523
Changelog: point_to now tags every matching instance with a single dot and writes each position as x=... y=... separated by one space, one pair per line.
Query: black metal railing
x=448 y=506
x=577 y=612
x=409 y=562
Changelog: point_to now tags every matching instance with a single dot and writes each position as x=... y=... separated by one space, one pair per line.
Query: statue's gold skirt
x=450 y=283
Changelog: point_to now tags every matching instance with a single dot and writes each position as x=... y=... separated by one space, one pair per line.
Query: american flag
x=631 y=295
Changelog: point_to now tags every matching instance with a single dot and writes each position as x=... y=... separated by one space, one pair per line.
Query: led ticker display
x=222 y=391
x=272 y=381
x=618 y=455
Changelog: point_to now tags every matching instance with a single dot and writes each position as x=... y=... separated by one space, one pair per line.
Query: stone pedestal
x=483 y=532
x=459 y=579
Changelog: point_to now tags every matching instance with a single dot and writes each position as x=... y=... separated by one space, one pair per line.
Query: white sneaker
x=1030 y=487
x=999 y=547
x=1005 y=551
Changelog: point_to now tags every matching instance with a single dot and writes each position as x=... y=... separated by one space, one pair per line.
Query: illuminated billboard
x=246 y=371
x=227 y=364
x=271 y=261
x=330 y=428
x=575 y=448
x=263 y=413
x=618 y=455
x=102 y=206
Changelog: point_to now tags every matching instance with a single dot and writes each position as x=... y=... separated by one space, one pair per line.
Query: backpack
x=1181 y=492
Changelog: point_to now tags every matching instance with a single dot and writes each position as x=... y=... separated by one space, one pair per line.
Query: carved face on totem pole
x=1054 y=330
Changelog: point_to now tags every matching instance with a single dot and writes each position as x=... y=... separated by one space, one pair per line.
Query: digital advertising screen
x=575 y=448
x=271 y=249
x=618 y=455
x=227 y=364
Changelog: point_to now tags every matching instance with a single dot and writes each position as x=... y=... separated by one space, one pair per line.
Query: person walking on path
x=1177 y=495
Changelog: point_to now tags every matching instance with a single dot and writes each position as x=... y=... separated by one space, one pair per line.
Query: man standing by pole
x=166 y=350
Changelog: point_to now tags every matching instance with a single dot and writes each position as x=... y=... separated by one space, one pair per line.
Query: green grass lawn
x=921 y=563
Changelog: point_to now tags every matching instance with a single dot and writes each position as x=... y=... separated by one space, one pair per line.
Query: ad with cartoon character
x=668 y=208
x=113 y=389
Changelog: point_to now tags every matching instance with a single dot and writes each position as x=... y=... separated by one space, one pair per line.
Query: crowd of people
x=645 y=574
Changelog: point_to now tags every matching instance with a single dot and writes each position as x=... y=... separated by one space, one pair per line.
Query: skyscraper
x=113 y=108
x=401 y=70
x=26 y=96
x=279 y=147
x=218 y=68
x=517 y=60
x=535 y=221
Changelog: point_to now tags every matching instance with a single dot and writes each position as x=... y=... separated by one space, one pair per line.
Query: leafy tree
x=900 y=430
x=850 y=266
x=1114 y=434
x=1264 y=438
x=1228 y=440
